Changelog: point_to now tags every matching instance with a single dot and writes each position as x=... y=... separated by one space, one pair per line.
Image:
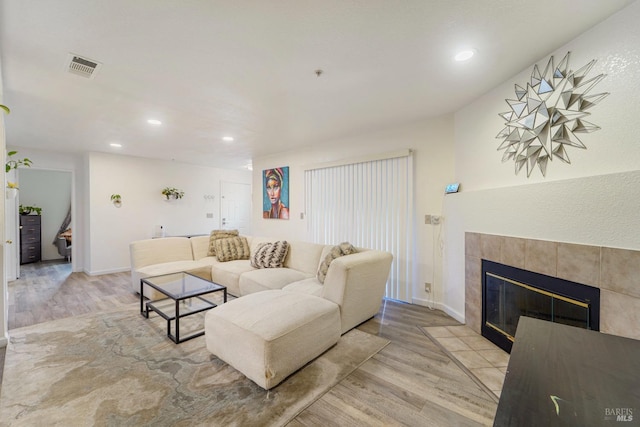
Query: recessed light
x=465 y=55
x=115 y=145
x=227 y=138
x=155 y=122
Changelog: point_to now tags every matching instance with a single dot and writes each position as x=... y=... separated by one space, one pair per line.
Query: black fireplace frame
x=587 y=294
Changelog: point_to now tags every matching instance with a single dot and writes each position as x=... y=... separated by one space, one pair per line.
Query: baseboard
x=101 y=272
x=438 y=306
x=427 y=303
x=453 y=313
x=4 y=341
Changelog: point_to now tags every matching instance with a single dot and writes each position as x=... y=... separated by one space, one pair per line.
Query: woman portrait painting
x=275 y=199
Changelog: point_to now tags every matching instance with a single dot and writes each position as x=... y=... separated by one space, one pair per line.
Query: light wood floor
x=411 y=382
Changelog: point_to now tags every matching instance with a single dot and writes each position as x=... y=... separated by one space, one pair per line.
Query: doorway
x=47 y=195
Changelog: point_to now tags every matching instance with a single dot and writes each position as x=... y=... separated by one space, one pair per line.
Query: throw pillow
x=219 y=234
x=270 y=255
x=344 y=248
x=232 y=248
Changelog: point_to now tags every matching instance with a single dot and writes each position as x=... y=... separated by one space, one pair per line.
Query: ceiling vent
x=81 y=66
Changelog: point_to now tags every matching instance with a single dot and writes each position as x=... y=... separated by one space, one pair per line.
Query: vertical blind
x=369 y=204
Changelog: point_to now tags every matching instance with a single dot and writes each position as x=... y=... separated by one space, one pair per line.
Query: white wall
x=432 y=142
x=594 y=200
x=51 y=191
x=140 y=182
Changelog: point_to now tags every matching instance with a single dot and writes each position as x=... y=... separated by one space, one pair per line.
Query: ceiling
x=246 y=69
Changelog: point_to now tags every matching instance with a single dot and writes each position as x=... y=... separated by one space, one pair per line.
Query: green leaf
x=5 y=108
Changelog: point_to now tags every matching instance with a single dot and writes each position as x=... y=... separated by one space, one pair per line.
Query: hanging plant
x=172 y=193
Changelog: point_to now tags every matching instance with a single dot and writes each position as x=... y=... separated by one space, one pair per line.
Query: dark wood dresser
x=30 y=232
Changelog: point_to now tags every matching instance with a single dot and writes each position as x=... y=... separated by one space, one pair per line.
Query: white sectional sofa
x=355 y=282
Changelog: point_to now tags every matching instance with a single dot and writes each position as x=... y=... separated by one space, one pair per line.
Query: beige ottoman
x=269 y=335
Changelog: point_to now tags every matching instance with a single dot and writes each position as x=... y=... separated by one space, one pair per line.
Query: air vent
x=83 y=66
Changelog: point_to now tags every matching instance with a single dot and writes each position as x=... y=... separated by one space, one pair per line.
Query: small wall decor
x=275 y=196
x=12 y=190
x=116 y=199
x=171 y=193
x=546 y=116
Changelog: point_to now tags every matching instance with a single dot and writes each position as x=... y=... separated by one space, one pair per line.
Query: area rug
x=118 y=369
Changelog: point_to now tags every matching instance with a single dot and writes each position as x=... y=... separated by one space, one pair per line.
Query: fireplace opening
x=509 y=292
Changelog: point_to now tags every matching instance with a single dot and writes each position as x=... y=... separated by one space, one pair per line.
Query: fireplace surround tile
x=621 y=271
x=541 y=257
x=473 y=292
x=513 y=250
x=579 y=263
x=472 y=244
x=491 y=247
x=619 y=314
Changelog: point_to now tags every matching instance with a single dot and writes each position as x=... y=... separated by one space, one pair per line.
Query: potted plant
x=15 y=163
x=172 y=193
x=28 y=210
x=116 y=199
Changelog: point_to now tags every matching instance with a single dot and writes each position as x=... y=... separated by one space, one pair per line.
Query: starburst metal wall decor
x=547 y=115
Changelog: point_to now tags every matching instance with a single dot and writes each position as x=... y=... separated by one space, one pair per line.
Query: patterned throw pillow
x=270 y=255
x=219 y=234
x=344 y=248
x=232 y=248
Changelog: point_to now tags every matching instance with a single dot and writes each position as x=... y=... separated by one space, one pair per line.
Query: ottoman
x=271 y=334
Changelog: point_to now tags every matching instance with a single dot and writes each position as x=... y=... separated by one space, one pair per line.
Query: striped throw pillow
x=232 y=248
x=270 y=255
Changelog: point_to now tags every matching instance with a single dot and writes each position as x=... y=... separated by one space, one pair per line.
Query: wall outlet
x=432 y=219
x=427 y=287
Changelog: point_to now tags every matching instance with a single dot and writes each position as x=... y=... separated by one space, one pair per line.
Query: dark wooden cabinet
x=30 y=234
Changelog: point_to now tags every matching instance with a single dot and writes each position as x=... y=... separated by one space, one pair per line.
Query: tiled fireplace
x=616 y=272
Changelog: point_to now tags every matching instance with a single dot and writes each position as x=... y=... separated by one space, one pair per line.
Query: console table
x=560 y=375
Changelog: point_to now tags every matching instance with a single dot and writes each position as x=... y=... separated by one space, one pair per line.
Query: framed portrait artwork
x=275 y=193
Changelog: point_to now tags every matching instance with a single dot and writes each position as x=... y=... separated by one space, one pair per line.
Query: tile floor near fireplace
x=484 y=360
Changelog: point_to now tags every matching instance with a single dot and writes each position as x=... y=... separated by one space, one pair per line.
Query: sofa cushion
x=304 y=256
x=309 y=286
x=268 y=278
x=216 y=235
x=199 y=246
x=232 y=249
x=228 y=274
x=269 y=335
x=270 y=255
x=344 y=248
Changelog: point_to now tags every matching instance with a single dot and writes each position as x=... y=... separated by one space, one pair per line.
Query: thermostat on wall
x=452 y=188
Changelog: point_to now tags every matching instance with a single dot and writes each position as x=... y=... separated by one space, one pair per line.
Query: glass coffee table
x=185 y=296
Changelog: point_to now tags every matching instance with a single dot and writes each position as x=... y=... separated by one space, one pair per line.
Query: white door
x=235 y=207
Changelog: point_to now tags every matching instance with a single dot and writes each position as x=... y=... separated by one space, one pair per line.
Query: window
x=369 y=204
